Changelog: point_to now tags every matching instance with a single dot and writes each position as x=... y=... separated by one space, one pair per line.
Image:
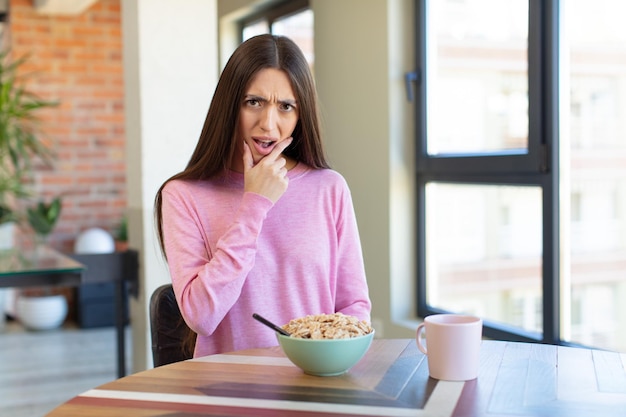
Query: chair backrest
x=170 y=333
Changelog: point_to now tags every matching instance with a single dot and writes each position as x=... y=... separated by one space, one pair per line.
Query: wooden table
x=515 y=379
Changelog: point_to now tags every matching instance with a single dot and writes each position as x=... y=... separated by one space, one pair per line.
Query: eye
x=252 y=102
x=287 y=107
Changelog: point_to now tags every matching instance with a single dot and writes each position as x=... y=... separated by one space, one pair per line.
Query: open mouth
x=265 y=143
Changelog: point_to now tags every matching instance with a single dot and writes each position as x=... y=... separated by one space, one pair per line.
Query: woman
x=258 y=222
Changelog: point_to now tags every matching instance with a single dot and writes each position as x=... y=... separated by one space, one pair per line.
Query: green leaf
x=43 y=217
x=19 y=128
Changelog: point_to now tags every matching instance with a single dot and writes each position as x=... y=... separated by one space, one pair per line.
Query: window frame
x=272 y=12
x=538 y=166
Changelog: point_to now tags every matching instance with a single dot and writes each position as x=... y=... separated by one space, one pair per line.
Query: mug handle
x=418 y=338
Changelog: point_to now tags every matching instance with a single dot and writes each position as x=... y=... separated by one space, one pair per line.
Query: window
x=293 y=19
x=521 y=167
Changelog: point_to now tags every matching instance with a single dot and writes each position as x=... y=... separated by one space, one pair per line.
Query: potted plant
x=42 y=308
x=20 y=144
x=121 y=236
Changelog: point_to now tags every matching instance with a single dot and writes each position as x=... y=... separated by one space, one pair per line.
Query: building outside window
x=522 y=167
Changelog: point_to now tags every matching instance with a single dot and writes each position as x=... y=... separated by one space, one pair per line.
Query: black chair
x=172 y=339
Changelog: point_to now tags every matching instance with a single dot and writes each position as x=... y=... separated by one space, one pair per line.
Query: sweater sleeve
x=207 y=282
x=352 y=294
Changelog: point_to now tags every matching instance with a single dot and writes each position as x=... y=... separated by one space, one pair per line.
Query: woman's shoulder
x=219 y=180
x=322 y=174
x=193 y=187
x=182 y=185
x=324 y=180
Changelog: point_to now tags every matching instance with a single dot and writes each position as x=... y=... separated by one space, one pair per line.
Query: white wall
x=170 y=73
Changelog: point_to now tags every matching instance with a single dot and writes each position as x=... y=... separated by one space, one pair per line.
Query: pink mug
x=452 y=345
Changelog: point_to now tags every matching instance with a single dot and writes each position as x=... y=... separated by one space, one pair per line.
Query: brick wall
x=79 y=64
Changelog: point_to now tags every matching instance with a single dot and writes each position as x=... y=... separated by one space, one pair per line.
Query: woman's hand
x=269 y=176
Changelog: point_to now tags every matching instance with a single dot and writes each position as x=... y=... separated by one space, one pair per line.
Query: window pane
x=484 y=252
x=593 y=138
x=477 y=77
x=298 y=27
x=257 y=28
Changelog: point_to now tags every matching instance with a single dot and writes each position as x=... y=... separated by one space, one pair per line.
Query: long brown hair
x=216 y=145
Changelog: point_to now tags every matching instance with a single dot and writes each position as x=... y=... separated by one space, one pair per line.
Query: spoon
x=271 y=325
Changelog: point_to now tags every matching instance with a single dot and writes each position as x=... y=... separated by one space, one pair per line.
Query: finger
x=248 y=161
x=280 y=147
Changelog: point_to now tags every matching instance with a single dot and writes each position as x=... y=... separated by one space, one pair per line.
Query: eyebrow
x=292 y=102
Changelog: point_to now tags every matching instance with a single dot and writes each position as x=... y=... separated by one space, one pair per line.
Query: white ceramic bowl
x=325 y=357
x=42 y=313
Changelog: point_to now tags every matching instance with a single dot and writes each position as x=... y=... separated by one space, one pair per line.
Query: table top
x=40 y=265
x=521 y=379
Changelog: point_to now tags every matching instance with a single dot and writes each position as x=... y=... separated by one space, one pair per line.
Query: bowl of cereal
x=326 y=344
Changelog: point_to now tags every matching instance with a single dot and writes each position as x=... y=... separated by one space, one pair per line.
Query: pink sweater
x=232 y=254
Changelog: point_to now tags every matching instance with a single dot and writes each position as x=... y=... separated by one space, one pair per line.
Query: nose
x=269 y=119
